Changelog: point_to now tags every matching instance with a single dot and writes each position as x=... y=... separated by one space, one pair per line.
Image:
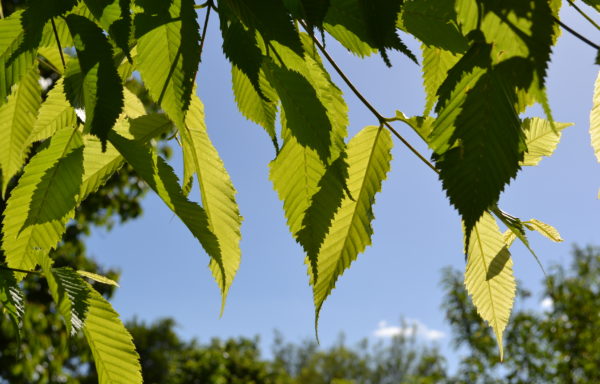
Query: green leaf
x=113 y=16
x=541 y=139
x=434 y=23
x=55 y=113
x=421 y=125
x=69 y=292
x=489 y=277
x=436 y=64
x=111 y=344
x=270 y=18
x=315 y=11
x=595 y=119
x=160 y=177
x=593 y=3
x=218 y=195
x=544 y=229
x=16 y=121
x=43 y=200
x=380 y=21
x=345 y=23
x=261 y=110
x=12 y=299
x=98 y=278
x=369 y=160
x=101 y=86
x=13 y=66
x=168 y=53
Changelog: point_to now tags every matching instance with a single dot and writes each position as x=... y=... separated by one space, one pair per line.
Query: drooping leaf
x=315 y=11
x=113 y=16
x=168 y=53
x=160 y=177
x=98 y=278
x=544 y=229
x=101 y=86
x=13 y=66
x=218 y=195
x=345 y=23
x=541 y=139
x=43 y=200
x=595 y=119
x=380 y=21
x=111 y=344
x=369 y=160
x=69 y=292
x=11 y=299
x=489 y=277
x=55 y=113
x=16 y=120
x=261 y=110
x=270 y=18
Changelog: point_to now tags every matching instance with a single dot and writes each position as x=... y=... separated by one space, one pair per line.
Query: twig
x=169 y=75
x=209 y=3
x=62 y=58
x=370 y=107
x=19 y=270
x=572 y=4
x=576 y=34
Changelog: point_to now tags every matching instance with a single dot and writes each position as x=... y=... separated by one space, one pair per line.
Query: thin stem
x=48 y=64
x=572 y=4
x=19 y=270
x=203 y=5
x=62 y=58
x=169 y=75
x=205 y=27
x=370 y=107
x=576 y=34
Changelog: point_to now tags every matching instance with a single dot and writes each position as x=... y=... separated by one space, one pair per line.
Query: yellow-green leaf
x=98 y=278
x=541 y=139
x=544 y=229
x=489 y=276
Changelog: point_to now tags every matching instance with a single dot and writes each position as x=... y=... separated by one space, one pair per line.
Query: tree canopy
x=484 y=63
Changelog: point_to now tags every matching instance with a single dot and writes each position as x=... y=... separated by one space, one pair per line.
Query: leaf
x=434 y=23
x=69 y=292
x=270 y=18
x=218 y=195
x=421 y=125
x=487 y=145
x=111 y=344
x=168 y=53
x=98 y=278
x=55 y=113
x=315 y=11
x=43 y=200
x=593 y=3
x=306 y=116
x=369 y=160
x=261 y=110
x=16 y=120
x=541 y=139
x=345 y=23
x=544 y=229
x=436 y=64
x=113 y=16
x=13 y=66
x=380 y=21
x=101 y=86
x=489 y=277
x=160 y=177
x=595 y=119
x=12 y=299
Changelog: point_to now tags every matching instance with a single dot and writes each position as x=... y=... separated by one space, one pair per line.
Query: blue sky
x=417 y=232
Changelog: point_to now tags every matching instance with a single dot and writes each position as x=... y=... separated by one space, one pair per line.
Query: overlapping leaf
x=101 y=86
x=369 y=160
x=489 y=277
x=436 y=64
x=43 y=200
x=16 y=121
x=115 y=17
x=161 y=178
x=55 y=113
x=217 y=192
x=345 y=23
x=168 y=53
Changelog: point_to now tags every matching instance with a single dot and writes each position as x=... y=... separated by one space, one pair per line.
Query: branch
x=209 y=4
x=62 y=58
x=19 y=270
x=572 y=4
x=382 y=120
x=576 y=34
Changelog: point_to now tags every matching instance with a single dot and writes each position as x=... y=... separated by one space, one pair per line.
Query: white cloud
x=410 y=327
x=547 y=304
